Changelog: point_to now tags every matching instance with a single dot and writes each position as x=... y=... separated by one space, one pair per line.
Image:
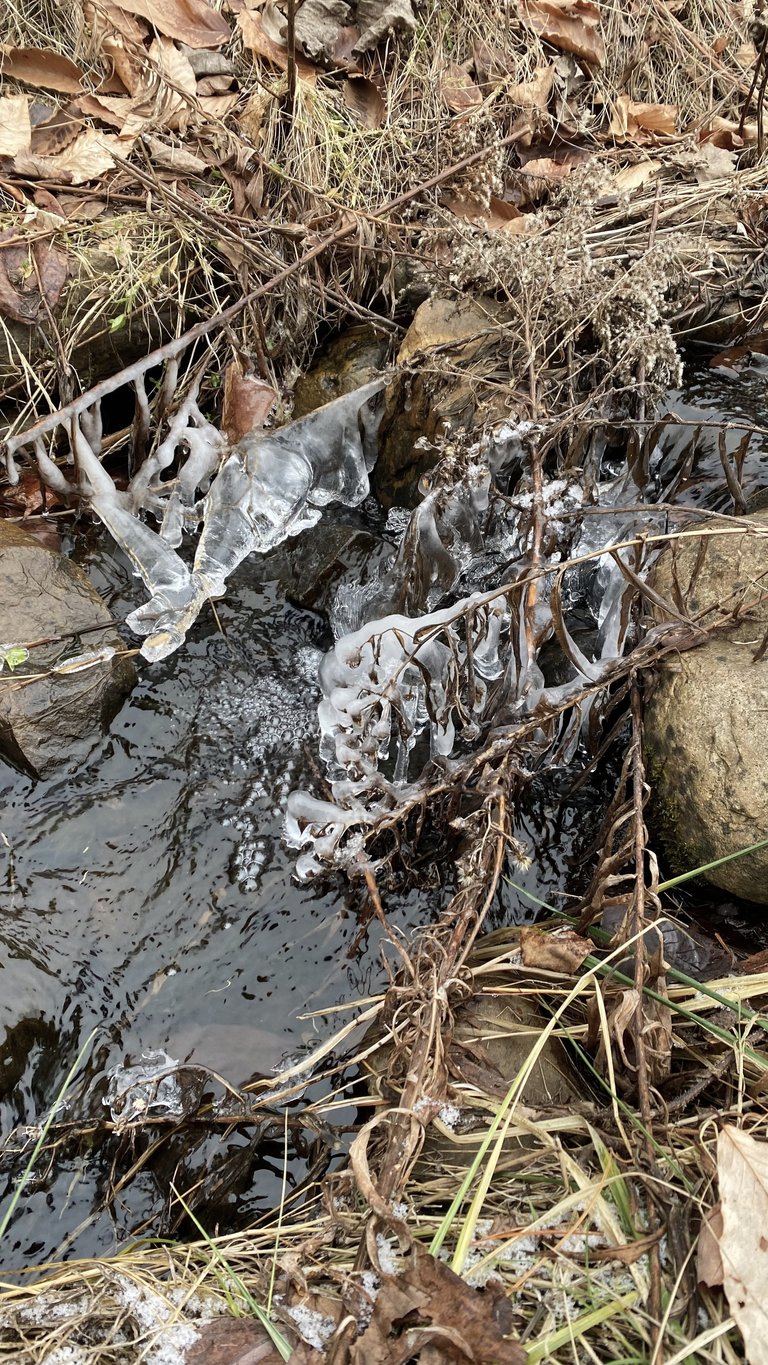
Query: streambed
x=150 y=896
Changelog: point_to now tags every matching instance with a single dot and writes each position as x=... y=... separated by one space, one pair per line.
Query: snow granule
x=450 y=1115
x=312 y=1326
x=388 y=1259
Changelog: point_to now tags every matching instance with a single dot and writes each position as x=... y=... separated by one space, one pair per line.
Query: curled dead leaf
x=500 y=216
x=191 y=21
x=247 y=403
x=634 y=121
x=42 y=67
x=571 y=25
x=534 y=94
x=458 y=90
x=365 y=101
x=258 y=42
x=631 y=178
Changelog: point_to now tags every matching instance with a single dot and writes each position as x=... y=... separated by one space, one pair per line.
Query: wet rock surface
x=352 y=358
x=706 y=738
x=50 y=724
x=450 y=351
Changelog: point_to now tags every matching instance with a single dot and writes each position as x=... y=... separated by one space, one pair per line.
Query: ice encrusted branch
x=247 y=499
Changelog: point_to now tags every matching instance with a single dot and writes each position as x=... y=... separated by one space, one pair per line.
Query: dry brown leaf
x=364 y=100
x=51 y=135
x=458 y=90
x=499 y=216
x=571 y=25
x=15 y=126
x=378 y=18
x=29 y=275
x=177 y=159
x=218 y=106
x=427 y=1313
x=41 y=67
x=711 y=162
x=232 y=1341
x=546 y=168
x=709 y=1262
x=87 y=158
x=631 y=120
x=534 y=94
x=247 y=403
x=257 y=40
x=634 y=177
x=742 y=1170
x=745 y=56
x=562 y=950
x=111 y=109
x=724 y=132
x=191 y=21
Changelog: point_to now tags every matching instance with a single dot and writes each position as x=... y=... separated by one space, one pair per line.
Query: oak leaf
x=742 y=1171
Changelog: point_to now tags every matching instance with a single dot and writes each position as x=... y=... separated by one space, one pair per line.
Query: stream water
x=149 y=896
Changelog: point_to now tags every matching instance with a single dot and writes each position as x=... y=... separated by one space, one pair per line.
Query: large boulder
x=52 y=722
x=705 y=726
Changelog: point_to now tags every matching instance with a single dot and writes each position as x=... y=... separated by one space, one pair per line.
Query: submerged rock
x=706 y=734
x=51 y=723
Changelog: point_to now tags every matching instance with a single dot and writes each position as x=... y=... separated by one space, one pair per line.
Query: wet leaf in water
x=742 y=1170
x=562 y=950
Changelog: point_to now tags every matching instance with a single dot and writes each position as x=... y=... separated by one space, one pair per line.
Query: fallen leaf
x=500 y=216
x=29 y=274
x=119 y=39
x=571 y=25
x=458 y=90
x=231 y=1341
x=218 y=106
x=88 y=157
x=561 y=950
x=256 y=39
x=111 y=109
x=15 y=126
x=364 y=100
x=318 y=23
x=41 y=66
x=727 y=133
x=51 y=135
x=534 y=94
x=378 y=18
x=247 y=403
x=191 y=21
x=630 y=119
x=709 y=1262
x=634 y=177
x=546 y=168
x=428 y=1314
x=713 y=163
x=167 y=157
x=742 y=1170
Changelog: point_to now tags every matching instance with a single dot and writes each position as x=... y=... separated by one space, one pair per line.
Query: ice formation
x=404 y=694
x=269 y=486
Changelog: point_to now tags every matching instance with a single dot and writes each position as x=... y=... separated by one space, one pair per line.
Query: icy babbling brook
x=151 y=895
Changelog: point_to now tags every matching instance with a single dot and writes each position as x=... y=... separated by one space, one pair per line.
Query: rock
x=705 y=730
x=349 y=360
x=52 y=723
x=450 y=350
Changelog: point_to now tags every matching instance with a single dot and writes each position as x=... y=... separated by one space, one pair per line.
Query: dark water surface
x=149 y=894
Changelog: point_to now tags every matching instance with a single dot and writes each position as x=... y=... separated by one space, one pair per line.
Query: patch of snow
x=315 y=1329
